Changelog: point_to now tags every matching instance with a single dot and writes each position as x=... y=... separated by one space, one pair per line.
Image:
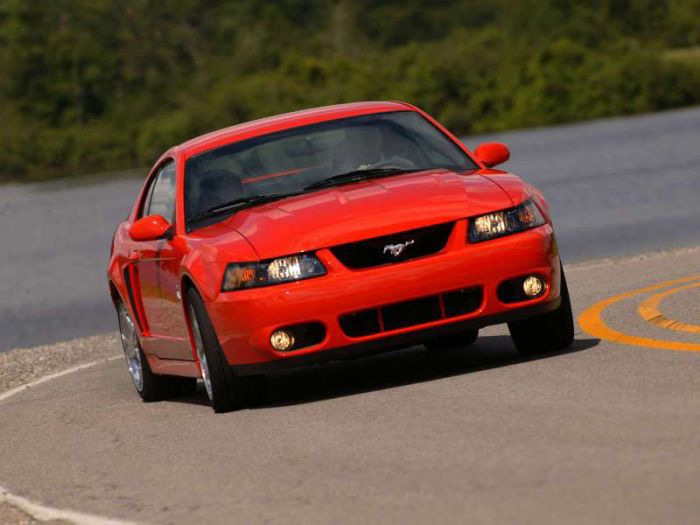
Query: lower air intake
x=412 y=313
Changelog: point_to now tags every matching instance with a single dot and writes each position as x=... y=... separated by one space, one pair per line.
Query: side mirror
x=149 y=228
x=492 y=153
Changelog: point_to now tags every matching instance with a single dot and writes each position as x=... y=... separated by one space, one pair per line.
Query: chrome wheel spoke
x=130 y=344
x=201 y=355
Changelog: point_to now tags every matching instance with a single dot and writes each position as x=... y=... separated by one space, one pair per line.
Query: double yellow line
x=592 y=322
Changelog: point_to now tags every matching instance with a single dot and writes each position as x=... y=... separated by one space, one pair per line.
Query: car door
x=157 y=266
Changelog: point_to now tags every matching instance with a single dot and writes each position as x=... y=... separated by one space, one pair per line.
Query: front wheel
x=226 y=392
x=547 y=332
x=150 y=387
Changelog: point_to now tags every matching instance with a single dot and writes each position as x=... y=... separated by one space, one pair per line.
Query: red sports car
x=325 y=234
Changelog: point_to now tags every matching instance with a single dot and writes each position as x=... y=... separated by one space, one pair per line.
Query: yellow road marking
x=649 y=310
x=592 y=322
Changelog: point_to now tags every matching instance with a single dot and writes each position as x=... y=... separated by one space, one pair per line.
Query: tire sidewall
x=220 y=374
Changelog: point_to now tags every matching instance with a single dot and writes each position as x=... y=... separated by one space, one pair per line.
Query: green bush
x=89 y=85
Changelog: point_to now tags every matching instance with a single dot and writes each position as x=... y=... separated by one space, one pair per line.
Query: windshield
x=298 y=160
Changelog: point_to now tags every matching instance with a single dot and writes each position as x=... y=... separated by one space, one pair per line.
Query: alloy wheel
x=201 y=355
x=132 y=348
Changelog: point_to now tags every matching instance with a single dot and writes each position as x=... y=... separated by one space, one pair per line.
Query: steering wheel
x=394 y=162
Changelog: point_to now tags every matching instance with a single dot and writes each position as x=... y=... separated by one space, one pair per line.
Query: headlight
x=285 y=269
x=505 y=222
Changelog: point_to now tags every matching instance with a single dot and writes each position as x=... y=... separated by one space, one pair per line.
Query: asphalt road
x=603 y=433
x=616 y=187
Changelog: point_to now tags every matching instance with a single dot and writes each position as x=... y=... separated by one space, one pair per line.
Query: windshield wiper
x=358 y=175
x=237 y=204
x=342 y=178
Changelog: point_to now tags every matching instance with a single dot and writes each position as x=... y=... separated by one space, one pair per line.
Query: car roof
x=275 y=123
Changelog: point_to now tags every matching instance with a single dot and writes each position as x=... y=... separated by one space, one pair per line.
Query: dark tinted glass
x=161 y=199
x=289 y=161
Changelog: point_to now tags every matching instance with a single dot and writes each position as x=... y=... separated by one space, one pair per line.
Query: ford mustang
x=327 y=234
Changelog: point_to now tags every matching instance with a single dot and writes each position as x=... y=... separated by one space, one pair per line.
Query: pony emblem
x=397 y=249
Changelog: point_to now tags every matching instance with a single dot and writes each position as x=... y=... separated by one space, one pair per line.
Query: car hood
x=364 y=210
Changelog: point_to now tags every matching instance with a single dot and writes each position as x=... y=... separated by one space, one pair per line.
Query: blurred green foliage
x=90 y=85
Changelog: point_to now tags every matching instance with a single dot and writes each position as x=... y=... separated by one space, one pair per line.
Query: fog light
x=533 y=286
x=281 y=340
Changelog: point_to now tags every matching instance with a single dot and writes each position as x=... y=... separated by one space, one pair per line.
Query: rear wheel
x=448 y=342
x=226 y=391
x=151 y=387
x=547 y=332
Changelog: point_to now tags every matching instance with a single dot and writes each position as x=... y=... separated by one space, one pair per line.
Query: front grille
x=397 y=247
x=461 y=302
x=361 y=323
x=411 y=313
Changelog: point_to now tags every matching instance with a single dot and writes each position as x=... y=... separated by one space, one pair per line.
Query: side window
x=147 y=200
x=161 y=195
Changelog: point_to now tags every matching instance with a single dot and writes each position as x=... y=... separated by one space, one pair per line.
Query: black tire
x=228 y=392
x=153 y=387
x=449 y=342
x=548 y=332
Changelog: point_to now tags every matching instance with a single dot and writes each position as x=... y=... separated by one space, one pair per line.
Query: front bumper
x=245 y=319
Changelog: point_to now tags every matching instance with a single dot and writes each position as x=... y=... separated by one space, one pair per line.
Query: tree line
x=94 y=85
